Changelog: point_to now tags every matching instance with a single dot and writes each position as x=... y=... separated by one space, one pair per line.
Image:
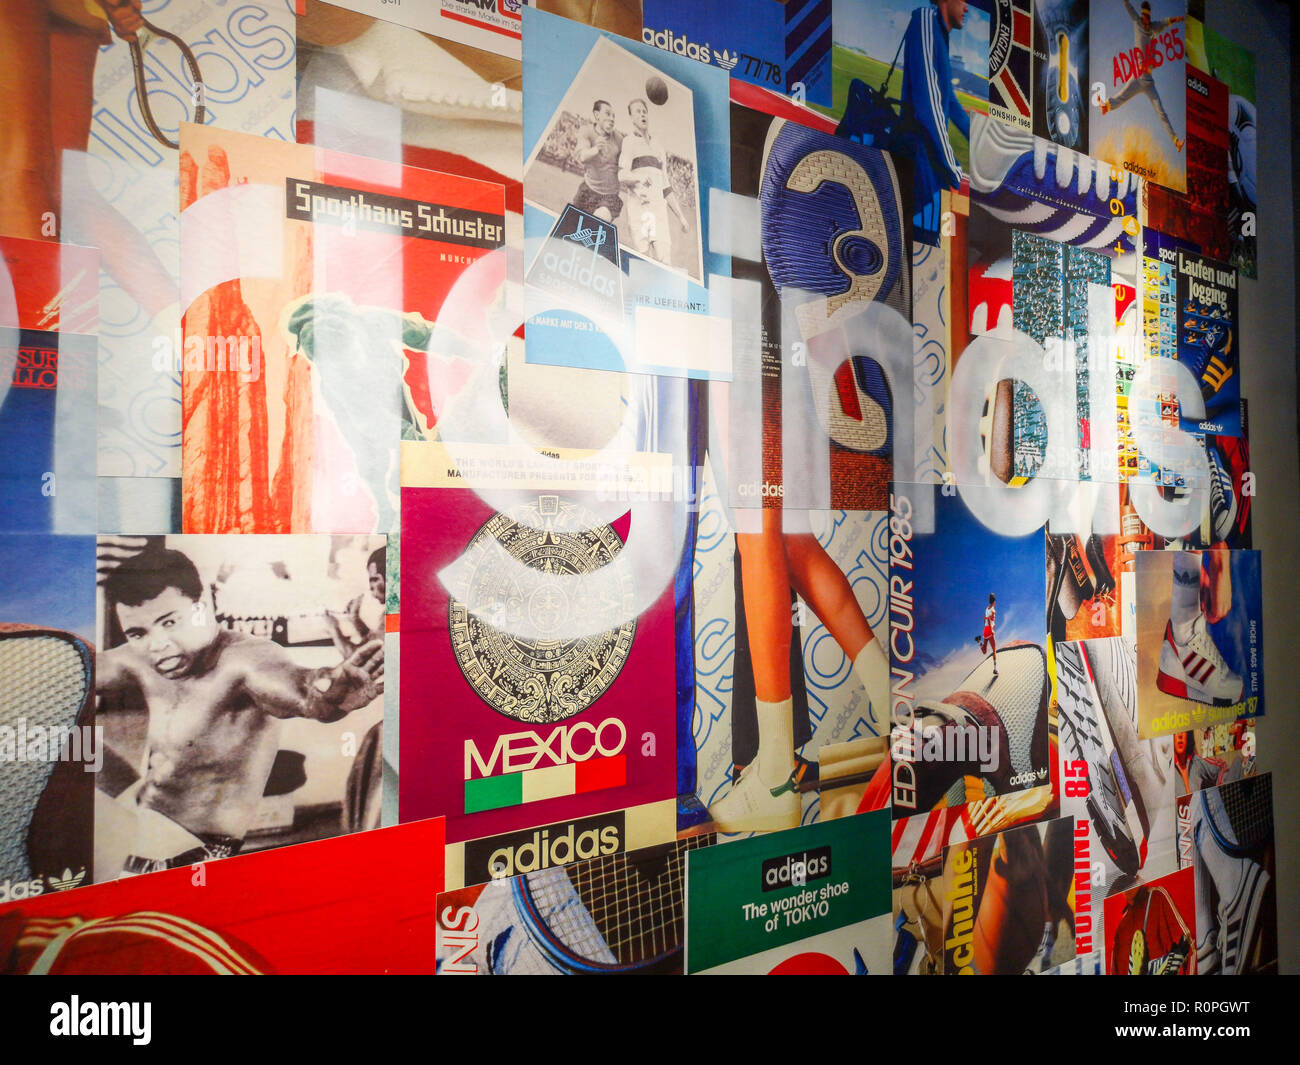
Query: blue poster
x=779 y=46
x=638 y=141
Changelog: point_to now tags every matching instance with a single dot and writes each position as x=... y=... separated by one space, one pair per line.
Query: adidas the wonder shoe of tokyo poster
x=240 y=688
x=1008 y=904
x=812 y=900
x=618 y=914
x=625 y=146
x=1230 y=830
x=1119 y=788
x=1138 y=121
x=537 y=640
x=50 y=748
x=969 y=680
x=1151 y=928
x=359 y=904
x=1200 y=639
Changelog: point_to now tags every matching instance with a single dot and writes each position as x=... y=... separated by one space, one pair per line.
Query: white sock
x=1185 y=602
x=775 y=741
x=871 y=667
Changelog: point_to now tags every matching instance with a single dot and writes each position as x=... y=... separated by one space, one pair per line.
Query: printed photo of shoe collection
x=750 y=487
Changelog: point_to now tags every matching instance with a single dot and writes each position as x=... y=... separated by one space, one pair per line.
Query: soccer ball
x=656 y=90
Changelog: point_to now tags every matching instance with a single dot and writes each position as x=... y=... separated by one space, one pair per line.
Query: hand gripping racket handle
x=138 y=44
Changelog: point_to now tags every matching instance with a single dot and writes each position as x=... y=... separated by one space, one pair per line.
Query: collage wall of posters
x=631 y=487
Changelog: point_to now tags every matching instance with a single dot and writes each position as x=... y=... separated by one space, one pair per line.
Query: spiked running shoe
x=1109 y=790
x=1042 y=188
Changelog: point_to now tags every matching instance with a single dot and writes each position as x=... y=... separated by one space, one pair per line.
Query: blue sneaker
x=1042 y=188
x=1209 y=356
x=1223 y=495
x=1064 y=118
x=831 y=219
x=832 y=229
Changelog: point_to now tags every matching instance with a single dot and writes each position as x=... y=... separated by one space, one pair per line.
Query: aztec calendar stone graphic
x=540 y=680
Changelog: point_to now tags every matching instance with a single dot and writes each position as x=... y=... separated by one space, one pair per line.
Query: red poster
x=312 y=283
x=1201 y=214
x=356 y=904
x=511 y=717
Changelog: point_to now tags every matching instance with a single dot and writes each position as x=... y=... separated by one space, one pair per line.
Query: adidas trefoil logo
x=726 y=59
x=68 y=880
x=593 y=237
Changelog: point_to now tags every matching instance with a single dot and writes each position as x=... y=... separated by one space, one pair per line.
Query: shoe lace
x=1203 y=645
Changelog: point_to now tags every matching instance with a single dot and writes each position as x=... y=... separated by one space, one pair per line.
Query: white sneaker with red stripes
x=1196 y=670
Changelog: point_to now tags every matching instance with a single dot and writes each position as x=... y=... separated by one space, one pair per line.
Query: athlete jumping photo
x=988 y=639
x=1144 y=84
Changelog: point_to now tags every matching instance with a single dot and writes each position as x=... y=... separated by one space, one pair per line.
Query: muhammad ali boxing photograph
x=239 y=688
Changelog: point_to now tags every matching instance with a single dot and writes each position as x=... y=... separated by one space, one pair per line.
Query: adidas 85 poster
x=1118 y=787
x=1138 y=53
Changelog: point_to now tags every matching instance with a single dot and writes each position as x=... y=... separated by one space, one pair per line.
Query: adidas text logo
x=678 y=44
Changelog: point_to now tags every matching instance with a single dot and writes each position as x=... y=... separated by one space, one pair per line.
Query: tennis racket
x=615 y=914
x=46 y=682
x=148 y=36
